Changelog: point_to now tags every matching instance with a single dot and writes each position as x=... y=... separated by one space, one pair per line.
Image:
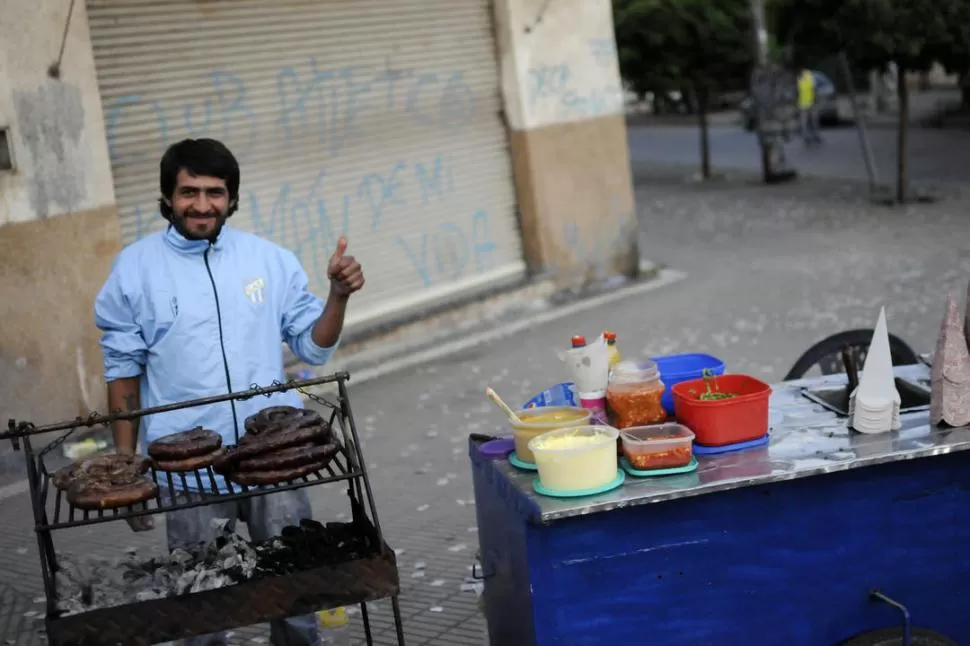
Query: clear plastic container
x=634 y=394
x=536 y=421
x=333 y=627
x=576 y=459
x=659 y=446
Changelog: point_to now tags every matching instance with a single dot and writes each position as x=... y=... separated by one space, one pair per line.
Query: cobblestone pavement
x=770 y=271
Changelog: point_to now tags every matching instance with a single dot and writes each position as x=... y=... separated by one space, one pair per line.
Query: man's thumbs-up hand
x=346 y=274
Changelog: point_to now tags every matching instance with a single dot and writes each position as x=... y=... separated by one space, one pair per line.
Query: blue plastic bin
x=675 y=368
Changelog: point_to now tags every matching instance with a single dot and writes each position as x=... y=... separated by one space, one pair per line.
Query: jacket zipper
x=222 y=343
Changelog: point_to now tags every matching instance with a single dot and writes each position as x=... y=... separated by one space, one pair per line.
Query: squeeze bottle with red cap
x=611 y=350
x=595 y=402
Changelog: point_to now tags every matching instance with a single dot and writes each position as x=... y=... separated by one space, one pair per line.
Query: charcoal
x=92 y=583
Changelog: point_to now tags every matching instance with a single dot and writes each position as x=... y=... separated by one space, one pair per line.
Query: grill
x=371 y=575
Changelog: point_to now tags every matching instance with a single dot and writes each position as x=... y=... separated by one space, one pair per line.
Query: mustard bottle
x=612 y=352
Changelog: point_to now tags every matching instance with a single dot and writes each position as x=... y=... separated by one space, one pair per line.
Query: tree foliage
x=702 y=46
x=670 y=44
x=872 y=33
x=913 y=34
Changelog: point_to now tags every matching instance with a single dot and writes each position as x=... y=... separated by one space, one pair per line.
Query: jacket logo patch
x=254 y=291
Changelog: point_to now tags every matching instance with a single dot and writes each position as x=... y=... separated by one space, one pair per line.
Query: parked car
x=825 y=97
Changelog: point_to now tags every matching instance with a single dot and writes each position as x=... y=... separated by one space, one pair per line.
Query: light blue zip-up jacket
x=195 y=319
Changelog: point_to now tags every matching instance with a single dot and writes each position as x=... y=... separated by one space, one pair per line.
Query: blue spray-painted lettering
x=603 y=50
x=548 y=81
x=457 y=102
x=431 y=183
x=381 y=190
x=228 y=108
x=445 y=254
x=325 y=104
x=483 y=245
x=451 y=251
x=336 y=105
x=303 y=225
x=555 y=85
x=599 y=249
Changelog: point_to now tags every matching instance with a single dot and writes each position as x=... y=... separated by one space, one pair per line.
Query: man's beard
x=181 y=224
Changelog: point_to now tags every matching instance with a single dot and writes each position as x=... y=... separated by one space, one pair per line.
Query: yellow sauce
x=552 y=417
x=564 y=442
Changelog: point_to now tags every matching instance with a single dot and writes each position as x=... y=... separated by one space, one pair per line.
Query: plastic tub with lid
x=576 y=459
x=536 y=421
x=676 y=368
x=634 y=394
x=718 y=422
x=658 y=446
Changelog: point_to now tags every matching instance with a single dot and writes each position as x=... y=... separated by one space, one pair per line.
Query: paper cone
x=950 y=373
x=877 y=373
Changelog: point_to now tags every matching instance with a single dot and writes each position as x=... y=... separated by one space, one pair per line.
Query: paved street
x=770 y=271
x=935 y=155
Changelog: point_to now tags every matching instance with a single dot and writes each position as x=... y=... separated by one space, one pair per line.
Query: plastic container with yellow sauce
x=576 y=459
x=536 y=421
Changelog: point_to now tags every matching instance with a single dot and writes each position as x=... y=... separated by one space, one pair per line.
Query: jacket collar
x=194 y=247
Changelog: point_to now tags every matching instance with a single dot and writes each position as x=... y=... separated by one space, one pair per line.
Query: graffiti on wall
x=600 y=249
x=573 y=72
x=557 y=89
x=330 y=108
x=305 y=101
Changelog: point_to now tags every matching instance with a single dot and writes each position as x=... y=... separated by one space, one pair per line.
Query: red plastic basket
x=724 y=421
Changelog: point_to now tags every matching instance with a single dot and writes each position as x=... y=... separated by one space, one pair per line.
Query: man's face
x=200 y=206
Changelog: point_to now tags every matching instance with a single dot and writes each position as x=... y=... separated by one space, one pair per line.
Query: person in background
x=201 y=309
x=807 y=108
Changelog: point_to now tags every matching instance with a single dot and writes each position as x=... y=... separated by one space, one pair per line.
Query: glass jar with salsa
x=634 y=394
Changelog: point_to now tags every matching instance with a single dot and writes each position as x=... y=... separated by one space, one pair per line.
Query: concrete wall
x=565 y=105
x=58 y=225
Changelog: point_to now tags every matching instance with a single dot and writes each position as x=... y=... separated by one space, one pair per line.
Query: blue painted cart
x=778 y=546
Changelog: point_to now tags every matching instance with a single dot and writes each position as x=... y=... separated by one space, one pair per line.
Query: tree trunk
x=702 y=103
x=902 y=141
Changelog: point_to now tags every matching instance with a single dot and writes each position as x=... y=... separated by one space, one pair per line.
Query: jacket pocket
x=161 y=318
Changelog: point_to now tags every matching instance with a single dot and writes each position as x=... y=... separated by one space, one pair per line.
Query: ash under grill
x=86 y=584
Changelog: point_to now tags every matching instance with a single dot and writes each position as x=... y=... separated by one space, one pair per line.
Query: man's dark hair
x=199 y=157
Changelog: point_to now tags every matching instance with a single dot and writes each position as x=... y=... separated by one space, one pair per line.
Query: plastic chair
x=827 y=353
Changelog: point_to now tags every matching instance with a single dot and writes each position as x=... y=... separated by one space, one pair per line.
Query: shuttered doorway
x=374 y=118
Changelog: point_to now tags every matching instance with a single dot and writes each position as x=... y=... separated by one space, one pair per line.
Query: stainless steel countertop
x=806 y=440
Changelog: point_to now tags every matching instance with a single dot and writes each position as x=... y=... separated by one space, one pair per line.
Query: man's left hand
x=346 y=274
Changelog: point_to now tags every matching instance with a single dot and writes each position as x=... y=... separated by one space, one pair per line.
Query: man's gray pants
x=265 y=517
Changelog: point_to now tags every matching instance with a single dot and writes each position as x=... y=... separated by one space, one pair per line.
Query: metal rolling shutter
x=378 y=118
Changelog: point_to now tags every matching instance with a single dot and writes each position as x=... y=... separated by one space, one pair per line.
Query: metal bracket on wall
x=54 y=71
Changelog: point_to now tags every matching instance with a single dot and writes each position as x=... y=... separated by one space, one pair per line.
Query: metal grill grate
x=350 y=582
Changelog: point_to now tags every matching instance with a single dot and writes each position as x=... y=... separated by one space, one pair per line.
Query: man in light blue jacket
x=202 y=309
